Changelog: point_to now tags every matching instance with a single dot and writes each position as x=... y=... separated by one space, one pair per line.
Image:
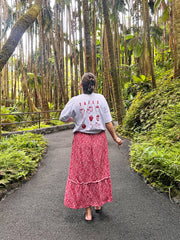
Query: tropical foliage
x=70 y=37
x=133 y=48
x=153 y=122
x=19 y=157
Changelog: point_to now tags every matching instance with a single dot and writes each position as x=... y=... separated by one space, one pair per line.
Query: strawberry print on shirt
x=89 y=111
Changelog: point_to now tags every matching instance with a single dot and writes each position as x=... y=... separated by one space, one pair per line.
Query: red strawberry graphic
x=83 y=126
x=97 y=117
x=97 y=108
x=90 y=108
x=91 y=118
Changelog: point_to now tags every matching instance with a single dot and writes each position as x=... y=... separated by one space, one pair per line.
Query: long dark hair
x=88 y=82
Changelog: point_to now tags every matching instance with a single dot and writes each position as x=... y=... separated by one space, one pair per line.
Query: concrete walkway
x=36 y=210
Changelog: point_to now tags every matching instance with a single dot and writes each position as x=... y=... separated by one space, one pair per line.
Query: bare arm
x=111 y=130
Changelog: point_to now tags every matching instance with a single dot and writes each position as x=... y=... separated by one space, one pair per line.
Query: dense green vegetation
x=153 y=124
x=19 y=157
x=18 y=118
x=133 y=49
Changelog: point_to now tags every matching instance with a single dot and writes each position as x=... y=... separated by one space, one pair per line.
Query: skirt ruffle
x=85 y=195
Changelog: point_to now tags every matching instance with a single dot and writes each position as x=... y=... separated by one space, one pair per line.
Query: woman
x=89 y=182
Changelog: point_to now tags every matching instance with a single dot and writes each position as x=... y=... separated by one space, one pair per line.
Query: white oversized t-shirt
x=89 y=111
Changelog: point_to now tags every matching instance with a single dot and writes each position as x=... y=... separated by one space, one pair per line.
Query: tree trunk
x=66 y=48
x=6 y=84
x=119 y=106
x=37 y=91
x=12 y=80
x=71 y=55
x=57 y=71
x=107 y=86
x=125 y=45
x=6 y=68
x=75 y=65
x=148 y=40
x=94 y=59
x=50 y=71
x=62 y=52
x=80 y=40
x=176 y=26
x=0 y=72
x=17 y=31
x=43 y=72
x=87 y=39
x=15 y=79
x=30 y=103
x=56 y=47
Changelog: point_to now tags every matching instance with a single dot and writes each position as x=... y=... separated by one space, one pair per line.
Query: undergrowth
x=156 y=155
x=19 y=157
x=153 y=124
x=147 y=109
x=36 y=126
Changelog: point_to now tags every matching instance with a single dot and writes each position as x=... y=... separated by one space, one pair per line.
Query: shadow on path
x=36 y=211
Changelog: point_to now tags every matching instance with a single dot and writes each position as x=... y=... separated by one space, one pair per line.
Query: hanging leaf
x=132 y=43
x=30 y=75
x=143 y=77
x=129 y=36
x=165 y=15
x=156 y=34
x=136 y=79
x=138 y=50
x=157 y=3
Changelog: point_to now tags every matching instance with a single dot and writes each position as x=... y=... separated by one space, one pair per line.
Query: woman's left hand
x=119 y=141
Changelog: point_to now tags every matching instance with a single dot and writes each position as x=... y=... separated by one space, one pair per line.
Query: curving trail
x=36 y=210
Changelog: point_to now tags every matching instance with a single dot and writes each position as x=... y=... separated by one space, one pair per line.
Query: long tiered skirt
x=89 y=182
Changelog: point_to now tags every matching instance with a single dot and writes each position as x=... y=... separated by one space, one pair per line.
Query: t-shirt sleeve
x=106 y=112
x=68 y=111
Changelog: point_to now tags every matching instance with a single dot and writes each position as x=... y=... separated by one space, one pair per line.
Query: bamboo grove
x=114 y=39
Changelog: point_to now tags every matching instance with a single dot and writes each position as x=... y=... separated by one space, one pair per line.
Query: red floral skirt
x=89 y=182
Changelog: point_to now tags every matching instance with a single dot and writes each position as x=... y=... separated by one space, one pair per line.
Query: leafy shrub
x=113 y=116
x=25 y=117
x=157 y=154
x=7 y=119
x=146 y=110
x=153 y=122
x=42 y=125
x=19 y=156
x=33 y=127
x=131 y=89
x=56 y=122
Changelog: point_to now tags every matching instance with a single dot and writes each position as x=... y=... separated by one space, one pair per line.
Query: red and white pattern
x=89 y=182
x=90 y=113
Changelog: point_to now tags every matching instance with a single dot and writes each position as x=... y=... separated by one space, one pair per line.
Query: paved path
x=36 y=210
